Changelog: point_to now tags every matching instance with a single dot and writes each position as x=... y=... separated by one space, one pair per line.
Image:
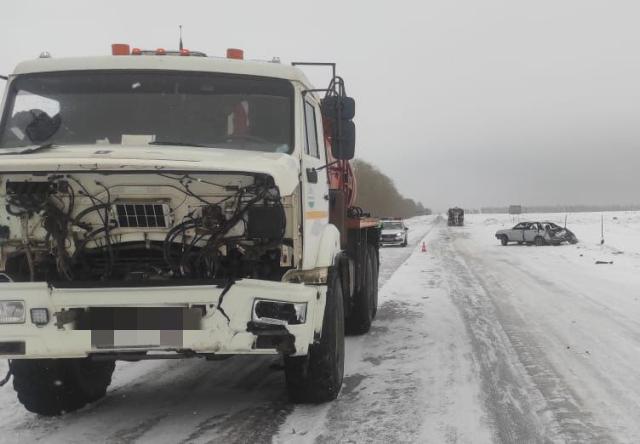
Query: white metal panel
x=217 y=335
x=175 y=63
x=314 y=195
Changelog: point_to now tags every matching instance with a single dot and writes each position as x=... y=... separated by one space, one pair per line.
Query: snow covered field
x=474 y=342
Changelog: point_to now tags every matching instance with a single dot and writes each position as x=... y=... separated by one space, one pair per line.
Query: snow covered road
x=241 y=399
x=556 y=335
x=474 y=342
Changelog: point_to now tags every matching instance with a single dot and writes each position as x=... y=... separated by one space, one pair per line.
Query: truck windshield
x=143 y=107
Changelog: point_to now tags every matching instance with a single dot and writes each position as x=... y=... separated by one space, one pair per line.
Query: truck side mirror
x=343 y=145
x=339 y=110
x=337 y=107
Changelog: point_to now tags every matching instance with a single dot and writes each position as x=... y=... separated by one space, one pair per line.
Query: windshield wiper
x=165 y=142
x=24 y=149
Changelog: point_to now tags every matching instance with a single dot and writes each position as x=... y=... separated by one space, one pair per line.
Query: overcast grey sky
x=474 y=102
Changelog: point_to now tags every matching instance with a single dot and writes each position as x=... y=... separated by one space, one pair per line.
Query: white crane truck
x=166 y=204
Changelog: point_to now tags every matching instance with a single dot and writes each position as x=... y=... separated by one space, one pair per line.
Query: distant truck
x=456 y=217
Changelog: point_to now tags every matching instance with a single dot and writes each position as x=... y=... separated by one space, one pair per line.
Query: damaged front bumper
x=247 y=317
x=564 y=235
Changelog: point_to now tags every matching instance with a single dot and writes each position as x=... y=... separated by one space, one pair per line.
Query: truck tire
x=364 y=301
x=317 y=377
x=539 y=241
x=376 y=278
x=504 y=240
x=52 y=387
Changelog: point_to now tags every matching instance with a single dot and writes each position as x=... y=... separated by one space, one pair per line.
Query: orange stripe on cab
x=316 y=214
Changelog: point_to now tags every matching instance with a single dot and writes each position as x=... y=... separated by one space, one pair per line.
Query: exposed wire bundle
x=206 y=258
x=103 y=209
x=219 y=238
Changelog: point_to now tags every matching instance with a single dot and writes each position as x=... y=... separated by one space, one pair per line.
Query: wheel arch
x=329 y=249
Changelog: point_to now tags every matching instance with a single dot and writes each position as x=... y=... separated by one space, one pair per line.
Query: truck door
x=315 y=189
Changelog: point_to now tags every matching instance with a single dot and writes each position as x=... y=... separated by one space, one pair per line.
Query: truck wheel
x=504 y=240
x=317 y=377
x=52 y=387
x=376 y=275
x=362 y=312
x=539 y=241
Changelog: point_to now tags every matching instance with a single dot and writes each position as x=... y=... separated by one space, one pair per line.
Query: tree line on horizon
x=560 y=208
x=377 y=194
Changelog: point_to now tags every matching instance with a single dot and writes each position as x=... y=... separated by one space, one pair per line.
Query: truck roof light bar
x=119 y=49
x=235 y=53
x=123 y=49
x=184 y=52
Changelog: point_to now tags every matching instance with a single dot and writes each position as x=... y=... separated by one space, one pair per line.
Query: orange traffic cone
x=424 y=247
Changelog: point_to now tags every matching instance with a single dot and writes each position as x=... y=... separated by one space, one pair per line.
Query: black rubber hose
x=83 y=213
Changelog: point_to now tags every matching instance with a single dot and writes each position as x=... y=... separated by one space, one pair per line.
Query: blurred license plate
x=101 y=339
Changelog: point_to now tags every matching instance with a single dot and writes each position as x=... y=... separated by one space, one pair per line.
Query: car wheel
x=504 y=240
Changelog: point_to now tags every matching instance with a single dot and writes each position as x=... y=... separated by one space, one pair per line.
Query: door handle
x=312 y=175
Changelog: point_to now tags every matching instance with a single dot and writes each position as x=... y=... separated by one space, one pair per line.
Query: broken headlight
x=12 y=312
x=279 y=313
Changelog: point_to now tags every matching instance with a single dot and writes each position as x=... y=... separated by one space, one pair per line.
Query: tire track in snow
x=528 y=399
x=601 y=379
x=393 y=257
x=414 y=381
x=241 y=399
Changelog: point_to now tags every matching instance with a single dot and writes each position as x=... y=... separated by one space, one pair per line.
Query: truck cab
x=455 y=217
x=169 y=204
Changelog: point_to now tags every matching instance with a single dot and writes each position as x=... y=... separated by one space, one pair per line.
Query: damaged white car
x=538 y=233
